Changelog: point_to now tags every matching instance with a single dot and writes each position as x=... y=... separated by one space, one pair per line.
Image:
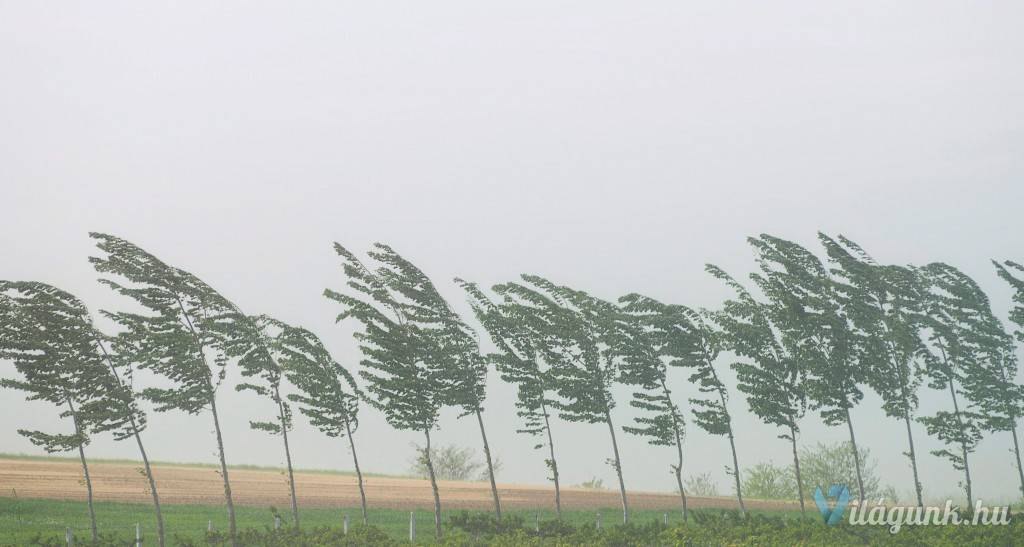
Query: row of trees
x=810 y=336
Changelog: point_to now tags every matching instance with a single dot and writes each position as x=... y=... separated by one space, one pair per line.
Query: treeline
x=809 y=333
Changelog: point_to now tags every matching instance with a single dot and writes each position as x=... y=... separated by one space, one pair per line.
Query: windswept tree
x=1003 y=399
x=404 y=377
x=771 y=375
x=112 y=404
x=884 y=305
x=54 y=352
x=520 y=362
x=328 y=395
x=247 y=340
x=795 y=280
x=651 y=337
x=957 y=312
x=577 y=334
x=180 y=337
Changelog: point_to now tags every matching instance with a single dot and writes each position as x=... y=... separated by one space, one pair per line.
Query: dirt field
x=123 y=482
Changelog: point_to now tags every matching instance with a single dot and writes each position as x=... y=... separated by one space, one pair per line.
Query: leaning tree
x=578 y=335
x=884 y=304
x=180 y=337
x=956 y=314
x=403 y=380
x=43 y=333
x=794 y=279
x=654 y=337
x=772 y=375
x=328 y=395
x=519 y=360
x=1003 y=398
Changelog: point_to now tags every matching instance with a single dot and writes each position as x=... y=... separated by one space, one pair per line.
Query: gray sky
x=611 y=146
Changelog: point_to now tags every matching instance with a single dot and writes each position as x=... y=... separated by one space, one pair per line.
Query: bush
x=701 y=485
x=769 y=482
x=452 y=463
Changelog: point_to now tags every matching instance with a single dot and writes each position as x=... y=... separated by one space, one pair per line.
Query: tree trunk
x=85 y=469
x=490 y=466
x=1016 y=453
x=678 y=468
x=913 y=459
x=618 y=467
x=963 y=444
x=161 y=536
x=553 y=464
x=736 y=470
x=856 y=459
x=232 y=526
x=287 y=456
x=796 y=469
x=359 y=473
x=433 y=486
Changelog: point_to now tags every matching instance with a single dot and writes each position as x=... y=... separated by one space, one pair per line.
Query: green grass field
x=21 y=519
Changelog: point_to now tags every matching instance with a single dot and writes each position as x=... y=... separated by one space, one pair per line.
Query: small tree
x=653 y=337
x=402 y=378
x=328 y=394
x=884 y=304
x=181 y=338
x=772 y=376
x=957 y=311
x=42 y=334
x=770 y=482
x=796 y=282
x=519 y=361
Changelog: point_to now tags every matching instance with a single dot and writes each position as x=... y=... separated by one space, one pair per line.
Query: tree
x=883 y=303
x=1001 y=398
x=653 y=337
x=812 y=318
x=772 y=377
x=403 y=379
x=42 y=333
x=328 y=395
x=519 y=361
x=577 y=334
x=957 y=311
x=246 y=339
x=770 y=482
x=181 y=337
x=825 y=464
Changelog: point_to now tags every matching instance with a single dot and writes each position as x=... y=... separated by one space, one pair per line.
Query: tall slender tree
x=519 y=361
x=958 y=325
x=794 y=279
x=181 y=337
x=578 y=336
x=41 y=333
x=328 y=395
x=884 y=304
x=1004 y=397
x=652 y=335
x=402 y=378
x=246 y=339
x=772 y=376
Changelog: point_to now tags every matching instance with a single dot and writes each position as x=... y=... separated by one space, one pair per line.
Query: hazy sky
x=615 y=147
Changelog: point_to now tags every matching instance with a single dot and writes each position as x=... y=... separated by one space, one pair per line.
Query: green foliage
x=593 y=484
x=701 y=485
x=769 y=482
x=824 y=464
x=451 y=463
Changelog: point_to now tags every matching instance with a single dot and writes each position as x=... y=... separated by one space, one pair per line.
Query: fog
x=609 y=146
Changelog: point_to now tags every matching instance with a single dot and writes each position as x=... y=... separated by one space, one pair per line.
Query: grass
x=22 y=519
x=65 y=459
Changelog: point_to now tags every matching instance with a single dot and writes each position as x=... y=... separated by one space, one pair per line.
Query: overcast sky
x=615 y=147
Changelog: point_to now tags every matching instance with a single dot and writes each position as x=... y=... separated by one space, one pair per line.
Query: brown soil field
x=197 y=485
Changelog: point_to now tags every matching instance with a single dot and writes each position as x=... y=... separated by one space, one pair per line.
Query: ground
x=179 y=484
